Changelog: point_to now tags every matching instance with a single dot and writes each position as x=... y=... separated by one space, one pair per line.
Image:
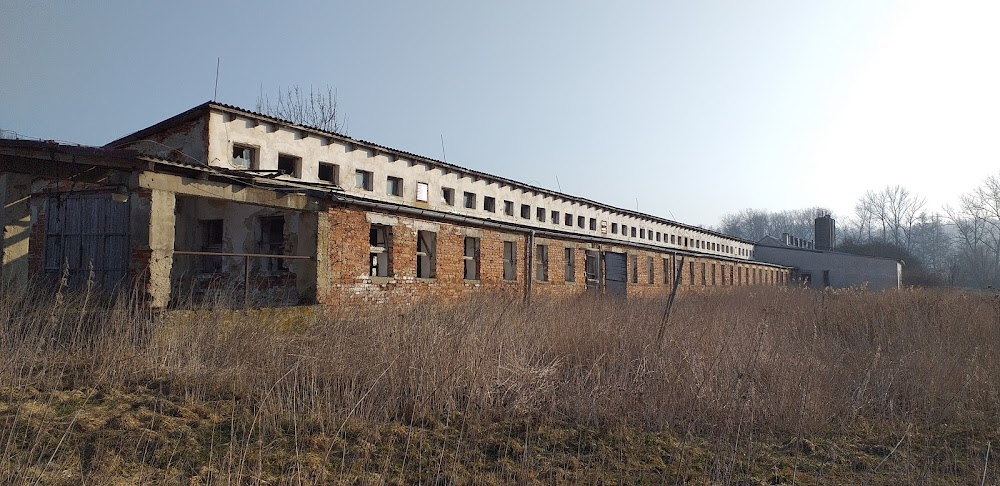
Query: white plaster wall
x=270 y=139
x=846 y=270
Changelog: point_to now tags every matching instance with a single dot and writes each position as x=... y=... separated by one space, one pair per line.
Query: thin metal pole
x=246 y=281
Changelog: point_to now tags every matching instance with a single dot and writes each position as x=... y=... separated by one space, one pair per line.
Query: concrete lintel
x=226 y=192
x=384 y=219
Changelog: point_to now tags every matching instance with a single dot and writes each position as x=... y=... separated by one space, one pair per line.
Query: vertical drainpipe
x=529 y=264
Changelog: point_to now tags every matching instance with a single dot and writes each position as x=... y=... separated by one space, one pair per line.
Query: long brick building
x=221 y=200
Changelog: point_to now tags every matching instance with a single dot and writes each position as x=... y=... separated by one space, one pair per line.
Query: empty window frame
x=509 y=260
x=272 y=242
x=554 y=217
x=508 y=208
x=448 y=196
x=363 y=180
x=394 y=186
x=469 y=200
x=540 y=214
x=211 y=234
x=289 y=165
x=691 y=272
x=570 y=265
x=634 y=268
x=244 y=156
x=423 y=192
x=379 y=254
x=592 y=269
x=704 y=278
x=666 y=270
x=426 y=254
x=649 y=235
x=470 y=257
x=624 y=230
x=614 y=228
x=568 y=219
x=672 y=239
x=642 y=234
x=713 y=275
x=652 y=273
x=593 y=224
x=732 y=275
x=525 y=211
x=212 y=238
x=329 y=173
x=633 y=231
x=542 y=263
x=490 y=204
x=581 y=221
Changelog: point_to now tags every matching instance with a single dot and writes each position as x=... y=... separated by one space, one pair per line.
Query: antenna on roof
x=443 y=154
x=558 y=184
x=218 y=61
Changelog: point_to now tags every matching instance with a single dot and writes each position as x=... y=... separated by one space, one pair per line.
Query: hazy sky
x=693 y=108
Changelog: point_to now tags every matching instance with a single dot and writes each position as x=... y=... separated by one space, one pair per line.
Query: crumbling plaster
x=271 y=139
x=15 y=221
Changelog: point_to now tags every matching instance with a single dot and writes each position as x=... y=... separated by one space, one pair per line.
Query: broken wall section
x=236 y=236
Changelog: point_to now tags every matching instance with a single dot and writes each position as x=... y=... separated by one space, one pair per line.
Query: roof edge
x=209 y=105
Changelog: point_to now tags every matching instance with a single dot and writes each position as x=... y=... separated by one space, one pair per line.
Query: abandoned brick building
x=221 y=200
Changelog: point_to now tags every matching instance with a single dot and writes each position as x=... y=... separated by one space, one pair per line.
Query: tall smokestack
x=826 y=233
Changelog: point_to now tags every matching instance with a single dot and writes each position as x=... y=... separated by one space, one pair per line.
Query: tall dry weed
x=734 y=365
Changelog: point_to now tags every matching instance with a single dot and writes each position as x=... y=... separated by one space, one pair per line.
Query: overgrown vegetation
x=750 y=385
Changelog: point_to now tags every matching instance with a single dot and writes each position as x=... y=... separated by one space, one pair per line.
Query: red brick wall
x=349 y=281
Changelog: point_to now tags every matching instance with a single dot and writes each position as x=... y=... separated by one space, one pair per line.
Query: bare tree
x=316 y=109
x=886 y=216
x=754 y=224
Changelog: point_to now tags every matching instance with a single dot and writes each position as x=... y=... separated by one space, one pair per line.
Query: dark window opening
x=329 y=173
x=471 y=258
x=542 y=263
x=379 y=239
x=426 y=254
x=509 y=260
x=244 y=156
x=272 y=242
x=289 y=165
x=570 y=265
x=394 y=186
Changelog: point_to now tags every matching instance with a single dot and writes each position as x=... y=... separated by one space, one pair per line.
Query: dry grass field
x=747 y=386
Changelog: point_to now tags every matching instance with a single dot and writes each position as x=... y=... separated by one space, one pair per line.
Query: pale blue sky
x=695 y=108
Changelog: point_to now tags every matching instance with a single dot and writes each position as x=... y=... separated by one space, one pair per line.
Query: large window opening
x=542 y=263
x=272 y=242
x=509 y=260
x=380 y=237
x=471 y=258
x=426 y=254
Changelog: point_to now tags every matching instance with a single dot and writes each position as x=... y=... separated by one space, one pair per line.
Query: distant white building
x=818 y=265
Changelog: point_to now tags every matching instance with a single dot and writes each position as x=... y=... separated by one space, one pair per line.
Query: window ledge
x=427 y=280
x=382 y=280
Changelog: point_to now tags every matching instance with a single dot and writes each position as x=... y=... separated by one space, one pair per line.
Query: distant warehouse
x=223 y=200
